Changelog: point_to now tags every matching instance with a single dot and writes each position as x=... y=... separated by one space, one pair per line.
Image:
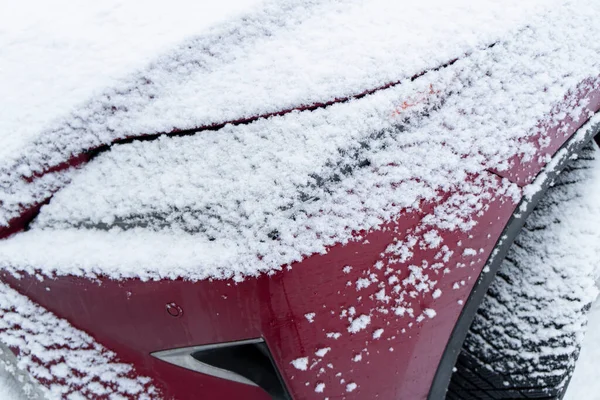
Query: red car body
x=133 y=318
x=300 y=310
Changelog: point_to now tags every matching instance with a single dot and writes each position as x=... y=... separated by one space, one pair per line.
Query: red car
x=308 y=200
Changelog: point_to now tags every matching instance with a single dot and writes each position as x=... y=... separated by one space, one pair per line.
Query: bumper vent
x=248 y=362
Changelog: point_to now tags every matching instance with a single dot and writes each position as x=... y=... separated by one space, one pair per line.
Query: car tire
x=527 y=332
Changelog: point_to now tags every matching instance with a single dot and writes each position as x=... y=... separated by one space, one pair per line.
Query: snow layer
x=282 y=55
x=585 y=382
x=55 y=57
x=272 y=58
x=65 y=362
x=250 y=198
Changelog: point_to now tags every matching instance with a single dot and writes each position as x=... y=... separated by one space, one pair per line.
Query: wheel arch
x=544 y=180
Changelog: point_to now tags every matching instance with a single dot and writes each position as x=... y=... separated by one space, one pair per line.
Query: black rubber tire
x=526 y=335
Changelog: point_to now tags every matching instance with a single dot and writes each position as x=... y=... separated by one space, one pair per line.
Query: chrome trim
x=182 y=357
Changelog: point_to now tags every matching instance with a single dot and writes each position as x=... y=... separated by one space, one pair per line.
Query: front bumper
x=357 y=322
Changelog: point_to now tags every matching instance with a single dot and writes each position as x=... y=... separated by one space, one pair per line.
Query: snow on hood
x=249 y=198
x=56 y=57
x=113 y=70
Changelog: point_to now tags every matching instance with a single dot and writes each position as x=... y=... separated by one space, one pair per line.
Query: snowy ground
x=585 y=383
x=9 y=387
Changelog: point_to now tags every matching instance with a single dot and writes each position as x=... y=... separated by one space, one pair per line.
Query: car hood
x=113 y=72
x=483 y=74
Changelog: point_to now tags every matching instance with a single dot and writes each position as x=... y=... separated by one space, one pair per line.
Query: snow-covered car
x=293 y=199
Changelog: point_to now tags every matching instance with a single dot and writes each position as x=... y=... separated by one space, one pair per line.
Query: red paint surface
x=587 y=93
x=130 y=317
